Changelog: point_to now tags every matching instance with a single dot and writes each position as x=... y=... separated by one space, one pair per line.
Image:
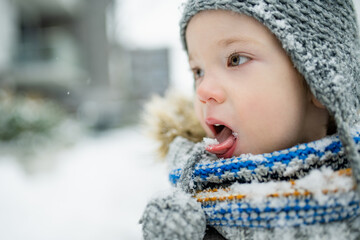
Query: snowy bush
x=22 y=116
x=32 y=129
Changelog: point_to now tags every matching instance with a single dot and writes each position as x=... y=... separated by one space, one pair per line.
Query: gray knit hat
x=321 y=38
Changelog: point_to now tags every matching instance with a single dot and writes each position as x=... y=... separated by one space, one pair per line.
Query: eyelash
x=240 y=59
x=198 y=72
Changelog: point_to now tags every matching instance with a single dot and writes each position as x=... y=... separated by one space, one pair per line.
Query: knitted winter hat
x=321 y=38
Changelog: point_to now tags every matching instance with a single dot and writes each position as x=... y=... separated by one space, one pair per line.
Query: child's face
x=245 y=81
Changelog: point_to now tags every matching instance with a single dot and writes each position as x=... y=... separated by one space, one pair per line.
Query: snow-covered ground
x=96 y=189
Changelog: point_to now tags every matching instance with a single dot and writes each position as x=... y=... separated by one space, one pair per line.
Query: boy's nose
x=210 y=89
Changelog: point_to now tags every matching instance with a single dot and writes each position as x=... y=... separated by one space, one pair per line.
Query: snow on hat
x=321 y=38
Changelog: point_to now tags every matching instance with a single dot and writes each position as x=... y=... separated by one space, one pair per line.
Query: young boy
x=277 y=86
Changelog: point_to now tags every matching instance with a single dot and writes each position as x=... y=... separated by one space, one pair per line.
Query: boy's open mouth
x=227 y=141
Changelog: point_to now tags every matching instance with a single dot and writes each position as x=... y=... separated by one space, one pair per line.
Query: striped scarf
x=307 y=184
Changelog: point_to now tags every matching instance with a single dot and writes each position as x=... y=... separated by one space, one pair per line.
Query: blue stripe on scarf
x=222 y=168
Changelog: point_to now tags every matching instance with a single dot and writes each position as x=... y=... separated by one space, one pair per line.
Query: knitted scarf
x=310 y=184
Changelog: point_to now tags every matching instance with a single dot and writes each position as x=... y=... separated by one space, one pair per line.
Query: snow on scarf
x=307 y=184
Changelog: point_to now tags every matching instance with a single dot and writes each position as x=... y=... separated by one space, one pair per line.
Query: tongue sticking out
x=226 y=141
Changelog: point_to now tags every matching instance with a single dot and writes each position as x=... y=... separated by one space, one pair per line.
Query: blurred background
x=74 y=76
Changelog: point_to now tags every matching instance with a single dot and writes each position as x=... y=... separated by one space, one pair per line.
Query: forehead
x=223 y=28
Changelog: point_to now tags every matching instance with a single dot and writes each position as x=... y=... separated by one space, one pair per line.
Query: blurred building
x=65 y=49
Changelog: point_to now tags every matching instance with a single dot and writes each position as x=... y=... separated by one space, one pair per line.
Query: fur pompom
x=168 y=117
x=175 y=216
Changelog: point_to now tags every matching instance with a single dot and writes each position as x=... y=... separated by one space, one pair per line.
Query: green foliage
x=23 y=115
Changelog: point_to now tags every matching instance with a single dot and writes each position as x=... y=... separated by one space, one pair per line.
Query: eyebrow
x=228 y=41
x=246 y=41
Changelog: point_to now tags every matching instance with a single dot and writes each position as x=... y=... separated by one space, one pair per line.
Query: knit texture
x=168 y=217
x=321 y=38
x=296 y=206
x=286 y=164
x=348 y=230
x=252 y=195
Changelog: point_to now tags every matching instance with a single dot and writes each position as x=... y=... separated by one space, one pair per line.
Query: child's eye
x=236 y=59
x=198 y=73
